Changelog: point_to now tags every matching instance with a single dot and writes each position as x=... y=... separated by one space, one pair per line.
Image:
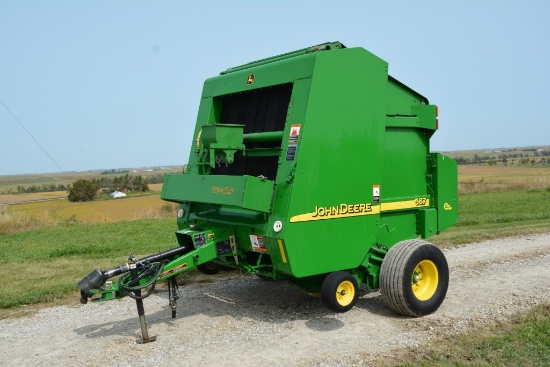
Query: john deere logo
x=250 y=79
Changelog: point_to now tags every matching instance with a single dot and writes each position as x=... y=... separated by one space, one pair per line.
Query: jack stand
x=141 y=312
x=173 y=295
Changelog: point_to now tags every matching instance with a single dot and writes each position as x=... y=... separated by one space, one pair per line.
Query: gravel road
x=241 y=320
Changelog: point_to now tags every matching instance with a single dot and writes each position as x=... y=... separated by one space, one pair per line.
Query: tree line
x=87 y=190
x=40 y=188
x=520 y=159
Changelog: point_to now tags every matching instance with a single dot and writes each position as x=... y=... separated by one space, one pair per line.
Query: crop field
x=484 y=178
x=35 y=196
x=92 y=212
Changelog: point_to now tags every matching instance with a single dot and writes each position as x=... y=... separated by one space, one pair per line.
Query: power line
x=44 y=150
x=33 y=138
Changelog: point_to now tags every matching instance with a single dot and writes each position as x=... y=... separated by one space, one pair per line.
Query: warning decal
x=291 y=152
x=258 y=243
x=294 y=133
x=376 y=194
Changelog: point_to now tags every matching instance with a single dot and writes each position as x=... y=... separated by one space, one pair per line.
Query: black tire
x=414 y=278
x=339 y=291
x=207 y=269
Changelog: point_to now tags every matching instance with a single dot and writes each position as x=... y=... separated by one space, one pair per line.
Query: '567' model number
x=420 y=201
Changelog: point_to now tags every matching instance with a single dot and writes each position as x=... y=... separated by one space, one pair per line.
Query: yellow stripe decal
x=408 y=204
x=283 y=256
x=333 y=212
x=356 y=210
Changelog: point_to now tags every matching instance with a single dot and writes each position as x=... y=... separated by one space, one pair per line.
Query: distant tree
x=83 y=190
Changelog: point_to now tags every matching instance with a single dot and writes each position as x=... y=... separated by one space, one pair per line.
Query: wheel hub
x=345 y=293
x=424 y=280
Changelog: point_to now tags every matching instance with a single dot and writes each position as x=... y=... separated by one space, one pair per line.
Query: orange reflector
x=436 y=111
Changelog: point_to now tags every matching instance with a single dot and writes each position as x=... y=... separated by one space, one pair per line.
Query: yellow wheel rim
x=345 y=293
x=425 y=280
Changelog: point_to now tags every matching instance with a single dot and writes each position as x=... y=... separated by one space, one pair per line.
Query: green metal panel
x=404 y=159
x=427 y=115
x=343 y=128
x=241 y=191
x=225 y=135
x=427 y=222
x=444 y=183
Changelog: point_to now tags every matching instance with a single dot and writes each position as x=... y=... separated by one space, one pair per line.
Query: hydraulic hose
x=97 y=278
x=130 y=285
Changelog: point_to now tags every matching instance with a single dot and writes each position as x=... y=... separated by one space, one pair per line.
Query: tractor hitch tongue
x=139 y=274
x=312 y=167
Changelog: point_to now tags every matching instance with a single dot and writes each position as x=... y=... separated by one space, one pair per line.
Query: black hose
x=150 y=270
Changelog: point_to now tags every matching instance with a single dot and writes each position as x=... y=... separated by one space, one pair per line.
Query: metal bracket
x=233 y=244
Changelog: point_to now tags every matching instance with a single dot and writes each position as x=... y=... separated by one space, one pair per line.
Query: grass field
x=522 y=341
x=483 y=178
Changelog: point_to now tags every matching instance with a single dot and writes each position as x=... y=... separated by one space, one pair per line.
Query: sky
x=88 y=85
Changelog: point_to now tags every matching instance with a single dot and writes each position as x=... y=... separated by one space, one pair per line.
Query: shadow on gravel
x=371 y=301
x=242 y=298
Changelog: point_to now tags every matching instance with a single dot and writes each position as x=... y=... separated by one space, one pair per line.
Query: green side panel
x=423 y=117
x=396 y=226
x=245 y=192
x=400 y=98
x=404 y=159
x=427 y=115
x=445 y=186
x=426 y=223
x=342 y=130
x=402 y=121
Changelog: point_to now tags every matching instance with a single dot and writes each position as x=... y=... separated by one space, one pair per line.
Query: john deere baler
x=313 y=167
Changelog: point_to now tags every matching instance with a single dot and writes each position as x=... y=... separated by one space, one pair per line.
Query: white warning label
x=258 y=243
x=294 y=133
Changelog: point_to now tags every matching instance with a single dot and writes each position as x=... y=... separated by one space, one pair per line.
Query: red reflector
x=436 y=124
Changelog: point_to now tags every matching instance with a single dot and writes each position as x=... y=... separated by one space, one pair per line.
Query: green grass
x=44 y=264
x=522 y=341
x=491 y=215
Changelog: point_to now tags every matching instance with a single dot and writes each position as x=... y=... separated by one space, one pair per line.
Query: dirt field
x=242 y=320
x=38 y=196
